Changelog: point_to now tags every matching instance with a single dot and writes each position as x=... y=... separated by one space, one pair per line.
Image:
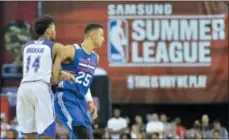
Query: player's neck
x=87 y=46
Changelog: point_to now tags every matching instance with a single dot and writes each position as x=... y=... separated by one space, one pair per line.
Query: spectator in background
x=140 y=135
x=197 y=135
x=205 y=127
x=134 y=132
x=194 y=129
x=11 y=134
x=180 y=129
x=154 y=126
x=124 y=136
x=155 y=135
x=168 y=128
x=4 y=125
x=217 y=128
x=106 y=135
x=139 y=123
x=61 y=131
x=97 y=131
x=138 y=127
x=14 y=125
x=116 y=125
x=216 y=134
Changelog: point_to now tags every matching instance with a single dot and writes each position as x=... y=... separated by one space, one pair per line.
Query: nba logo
x=118 y=41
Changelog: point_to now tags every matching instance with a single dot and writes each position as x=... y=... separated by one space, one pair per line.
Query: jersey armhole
x=96 y=56
x=77 y=47
x=50 y=44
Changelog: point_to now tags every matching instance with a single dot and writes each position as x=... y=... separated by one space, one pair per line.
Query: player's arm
x=89 y=100
x=60 y=54
x=67 y=57
x=91 y=104
x=57 y=56
x=68 y=52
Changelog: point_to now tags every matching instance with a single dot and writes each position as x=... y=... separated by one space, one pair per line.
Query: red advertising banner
x=155 y=52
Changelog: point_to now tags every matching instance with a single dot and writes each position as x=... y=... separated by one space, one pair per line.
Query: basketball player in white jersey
x=41 y=68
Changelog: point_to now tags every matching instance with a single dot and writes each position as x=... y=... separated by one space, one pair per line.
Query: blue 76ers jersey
x=83 y=66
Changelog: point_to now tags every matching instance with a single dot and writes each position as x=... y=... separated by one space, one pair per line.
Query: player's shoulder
x=57 y=45
x=43 y=42
x=49 y=42
x=96 y=55
x=28 y=43
x=57 y=48
x=69 y=47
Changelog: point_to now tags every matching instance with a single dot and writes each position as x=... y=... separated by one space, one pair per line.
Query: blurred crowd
x=156 y=126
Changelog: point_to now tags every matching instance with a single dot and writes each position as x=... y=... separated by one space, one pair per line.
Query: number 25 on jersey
x=83 y=78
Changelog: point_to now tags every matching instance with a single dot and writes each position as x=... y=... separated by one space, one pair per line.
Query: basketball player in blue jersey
x=35 y=113
x=72 y=97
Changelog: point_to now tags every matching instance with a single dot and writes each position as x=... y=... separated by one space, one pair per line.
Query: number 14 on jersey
x=35 y=63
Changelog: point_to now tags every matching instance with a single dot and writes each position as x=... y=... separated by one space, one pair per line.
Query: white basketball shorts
x=35 y=111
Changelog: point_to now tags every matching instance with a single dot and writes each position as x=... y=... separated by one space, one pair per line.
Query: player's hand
x=93 y=110
x=94 y=113
x=67 y=75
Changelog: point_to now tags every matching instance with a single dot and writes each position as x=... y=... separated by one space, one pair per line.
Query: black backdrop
x=100 y=88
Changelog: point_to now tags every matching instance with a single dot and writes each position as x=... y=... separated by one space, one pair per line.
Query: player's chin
x=53 y=39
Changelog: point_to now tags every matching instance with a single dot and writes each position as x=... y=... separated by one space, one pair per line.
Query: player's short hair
x=91 y=27
x=42 y=23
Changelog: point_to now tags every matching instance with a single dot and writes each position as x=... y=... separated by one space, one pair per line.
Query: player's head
x=95 y=33
x=44 y=26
